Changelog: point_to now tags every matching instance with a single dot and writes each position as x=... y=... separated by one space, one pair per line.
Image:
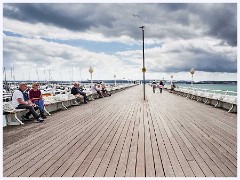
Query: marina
x=167 y=135
x=119 y=89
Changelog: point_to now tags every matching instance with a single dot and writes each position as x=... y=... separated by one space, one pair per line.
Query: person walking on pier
x=20 y=100
x=154 y=85
x=161 y=85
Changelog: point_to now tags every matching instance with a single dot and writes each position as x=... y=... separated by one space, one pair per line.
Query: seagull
x=134 y=15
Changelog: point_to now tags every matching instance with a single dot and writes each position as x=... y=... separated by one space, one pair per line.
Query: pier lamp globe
x=91 y=71
x=192 y=71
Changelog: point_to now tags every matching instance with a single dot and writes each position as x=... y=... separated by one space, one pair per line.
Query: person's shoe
x=40 y=119
x=85 y=102
x=43 y=116
x=25 y=118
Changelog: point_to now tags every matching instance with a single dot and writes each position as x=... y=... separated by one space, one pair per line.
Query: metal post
x=115 y=79
x=142 y=27
x=13 y=75
x=91 y=80
x=192 y=81
x=5 y=78
x=91 y=71
x=45 y=76
x=192 y=71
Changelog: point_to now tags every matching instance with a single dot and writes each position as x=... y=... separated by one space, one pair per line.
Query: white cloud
x=181 y=36
x=53 y=32
x=30 y=54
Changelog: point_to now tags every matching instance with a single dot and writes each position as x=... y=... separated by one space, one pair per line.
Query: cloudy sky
x=60 y=41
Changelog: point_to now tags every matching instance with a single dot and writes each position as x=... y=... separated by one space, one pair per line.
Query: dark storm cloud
x=201 y=60
x=174 y=21
x=216 y=20
x=219 y=19
x=218 y=65
x=75 y=17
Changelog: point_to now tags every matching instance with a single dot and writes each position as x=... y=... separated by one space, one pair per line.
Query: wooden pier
x=123 y=136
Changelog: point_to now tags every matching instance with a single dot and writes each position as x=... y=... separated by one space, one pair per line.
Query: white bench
x=230 y=100
x=217 y=98
x=11 y=114
x=51 y=103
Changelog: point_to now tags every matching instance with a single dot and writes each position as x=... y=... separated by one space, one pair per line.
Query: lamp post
x=192 y=71
x=171 y=79
x=91 y=71
x=144 y=68
x=45 y=76
x=115 y=79
x=5 y=78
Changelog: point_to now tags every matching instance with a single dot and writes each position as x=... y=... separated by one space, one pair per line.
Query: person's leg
x=40 y=104
x=84 y=96
x=100 y=94
x=30 y=108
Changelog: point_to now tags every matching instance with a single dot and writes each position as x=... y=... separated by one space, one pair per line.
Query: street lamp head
x=192 y=71
x=171 y=76
x=142 y=27
x=114 y=76
x=90 y=69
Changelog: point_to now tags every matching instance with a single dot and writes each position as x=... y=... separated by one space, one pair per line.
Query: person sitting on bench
x=20 y=100
x=96 y=87
x=35 y=96
x=173 y=86
x=76 y=92
x=104 y=90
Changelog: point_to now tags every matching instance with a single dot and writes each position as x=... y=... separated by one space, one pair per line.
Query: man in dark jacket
x=78 y=93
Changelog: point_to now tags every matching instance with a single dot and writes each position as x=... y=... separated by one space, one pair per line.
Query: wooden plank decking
x=123 y=136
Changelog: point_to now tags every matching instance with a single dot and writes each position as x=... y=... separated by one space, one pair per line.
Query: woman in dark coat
x=161 y=85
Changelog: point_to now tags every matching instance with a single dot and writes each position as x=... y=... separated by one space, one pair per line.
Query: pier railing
x=217 y=98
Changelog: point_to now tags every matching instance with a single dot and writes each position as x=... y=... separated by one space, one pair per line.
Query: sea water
x=222 y=87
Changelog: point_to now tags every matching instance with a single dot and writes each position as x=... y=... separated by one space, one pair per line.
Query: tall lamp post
x=115 y=79
x=144 y=68
x=192 y=71
x=171 y=79
x=91 y=71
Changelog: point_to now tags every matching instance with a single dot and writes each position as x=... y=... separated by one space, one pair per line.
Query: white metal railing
x=208 y=95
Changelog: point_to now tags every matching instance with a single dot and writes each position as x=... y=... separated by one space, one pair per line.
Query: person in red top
x=35 y=96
